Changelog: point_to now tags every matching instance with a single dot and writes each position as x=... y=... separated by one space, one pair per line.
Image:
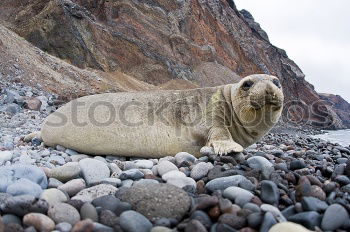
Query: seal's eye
x=277 y=83
x=247 y=84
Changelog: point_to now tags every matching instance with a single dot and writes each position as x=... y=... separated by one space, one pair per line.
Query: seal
x=161 y=123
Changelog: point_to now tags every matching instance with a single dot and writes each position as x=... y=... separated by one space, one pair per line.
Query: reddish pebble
x=247 y=229
x=256 y=200
x=214 y=213
x=83 y=226
x=200 y=187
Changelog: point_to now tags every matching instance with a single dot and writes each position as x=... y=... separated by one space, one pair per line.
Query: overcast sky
x=314 y=33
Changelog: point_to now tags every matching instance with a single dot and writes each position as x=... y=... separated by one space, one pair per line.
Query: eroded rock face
x=340 y=106
x=194 y=43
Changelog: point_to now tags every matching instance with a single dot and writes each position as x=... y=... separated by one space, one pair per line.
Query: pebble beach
x=285 y=182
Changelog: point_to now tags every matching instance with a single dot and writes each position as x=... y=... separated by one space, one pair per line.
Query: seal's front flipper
x=221 y=140
x=30 y=136
x=226 y=147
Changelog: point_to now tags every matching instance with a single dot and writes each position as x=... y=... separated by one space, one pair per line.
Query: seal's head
x=258 y=100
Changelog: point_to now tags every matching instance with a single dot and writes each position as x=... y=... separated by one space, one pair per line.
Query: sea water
x=337 y=136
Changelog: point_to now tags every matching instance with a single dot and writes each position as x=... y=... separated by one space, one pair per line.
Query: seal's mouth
x=274 y=103
x=273 y=100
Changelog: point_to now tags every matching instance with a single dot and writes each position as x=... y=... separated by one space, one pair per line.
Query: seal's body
x=160 y=123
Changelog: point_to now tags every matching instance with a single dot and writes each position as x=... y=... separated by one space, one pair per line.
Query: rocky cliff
x=339 y=105
x=161 y=44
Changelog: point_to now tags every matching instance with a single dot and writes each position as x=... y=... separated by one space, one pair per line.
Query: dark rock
x=289 y=211
x=347 y=169
x=342 y=180
x=314 y=181
x=277 y=153
x=302 y=172
x=3 y=197
x=219 y=171
x=225 y=205
x=297 y=164
x=281 y=166
x=102 y=228
x=121 y=207
x=220 y=227
x=334 y=217
x=342 y=160
x=133 y=174
x=247 y=185
x=346 y=226
x=252 y=24
x=214 y=212
x=14 y=227
x=285 y=200
x=232 y=220
x=206 y=202
x=329 y=187
x=223 y=183
x=195 y=226
x=252 y=207
x=202 y=217
x=290 y=177
x=76 y=204
x=303 y=189
x=228 y=159
x=132 y=221
x=244 y=212
x=108 y=218
x=313 y=204
x=36 y=142
x=308 y=219
x=269 y=192
x=24 y=204
x=343 y=149
x=163 y=222
x=11 y=218
x=346 y=188
x=107 y=202
x=338 y=170
x=255 y=220
x=268 y=222
x=2 y=225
